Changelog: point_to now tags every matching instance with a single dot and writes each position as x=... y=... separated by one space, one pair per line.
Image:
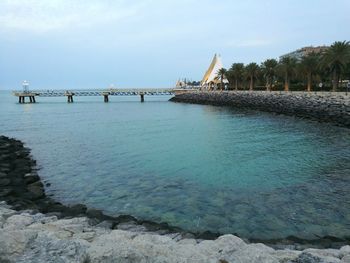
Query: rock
x=18 y=221
x=286 y=255
x=323 y=252
x=30 y=178
x=345 y=250
x=105 y=224
x=14 y=242
x=345 y=259
x=4 y=181
x=131 y=226
x=49 y=249
x=77 y=209
x=306 y=257
x=94 y=213
x=35 y=191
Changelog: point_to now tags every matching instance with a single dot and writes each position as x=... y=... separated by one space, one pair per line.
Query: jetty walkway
x=31 y=95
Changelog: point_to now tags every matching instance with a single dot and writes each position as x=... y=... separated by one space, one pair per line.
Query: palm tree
x=309 y=67
x=237 y=70
x=252 y=70
x=222 y=75
x=269 y=69
x=336 y=58
x=288 y=69
x=230 y=77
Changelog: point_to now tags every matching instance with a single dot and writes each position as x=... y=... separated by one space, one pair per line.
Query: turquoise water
x=198 y=167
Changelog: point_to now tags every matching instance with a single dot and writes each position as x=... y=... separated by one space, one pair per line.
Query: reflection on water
x=198 y=167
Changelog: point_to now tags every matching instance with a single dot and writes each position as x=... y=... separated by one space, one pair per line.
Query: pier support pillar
x=70 y=98
x=105 y=98
x=30 y=99
x=142 y=97
x=19 y=99
x=34 y=99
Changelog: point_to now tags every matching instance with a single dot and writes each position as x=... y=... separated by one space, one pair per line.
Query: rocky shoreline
x=322 y=106
x=36 y=228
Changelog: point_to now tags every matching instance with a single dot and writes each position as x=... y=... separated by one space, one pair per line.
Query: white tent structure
x=211 y=78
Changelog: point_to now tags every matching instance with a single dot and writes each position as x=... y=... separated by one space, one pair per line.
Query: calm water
x=193 y=166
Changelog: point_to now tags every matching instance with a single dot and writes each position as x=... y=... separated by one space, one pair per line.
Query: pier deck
x=105 y=93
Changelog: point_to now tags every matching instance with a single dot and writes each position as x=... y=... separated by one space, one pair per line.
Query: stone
x=105 y=224
x=49 y=249
x=18 y=221
x=131 y=226
x=345 y=259
x=94 y=213
x=345 y=250
x=77 y=209
x=36 y=191
x=14 y=242
x=306 y=257
x=4 y=181
x=30 y=178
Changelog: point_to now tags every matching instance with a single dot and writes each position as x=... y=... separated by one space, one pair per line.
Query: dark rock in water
x=30 y=178
x=94 y=213
x=36 y=191
x=78 y=209
x=4 y=182
x=208 y=235
x=37 y=183
x=5 y=191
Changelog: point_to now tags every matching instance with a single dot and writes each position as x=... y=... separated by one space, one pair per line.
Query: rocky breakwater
x=321 y=106
x=31 y=237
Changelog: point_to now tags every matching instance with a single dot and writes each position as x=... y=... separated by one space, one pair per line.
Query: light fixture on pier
x=25 y=86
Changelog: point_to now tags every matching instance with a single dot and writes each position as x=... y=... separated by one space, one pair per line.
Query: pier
x=31 y=95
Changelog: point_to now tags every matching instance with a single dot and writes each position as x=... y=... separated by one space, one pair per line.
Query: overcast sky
x=151 y=43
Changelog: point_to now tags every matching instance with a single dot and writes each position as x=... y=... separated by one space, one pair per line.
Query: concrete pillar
x=70 y=98
x=19 y=99
x=34 y=99
x=30 y=99
x=105 y=98
x=142 y=97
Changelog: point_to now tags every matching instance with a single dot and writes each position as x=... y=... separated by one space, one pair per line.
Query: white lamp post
x=25 y=86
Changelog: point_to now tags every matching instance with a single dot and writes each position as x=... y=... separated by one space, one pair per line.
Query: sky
x=83 y=44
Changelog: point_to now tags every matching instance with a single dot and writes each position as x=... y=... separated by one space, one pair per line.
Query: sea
x=198 y=167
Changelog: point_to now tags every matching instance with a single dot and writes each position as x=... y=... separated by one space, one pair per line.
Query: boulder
x=30 y=178
x=18 y=221
x=14 y=242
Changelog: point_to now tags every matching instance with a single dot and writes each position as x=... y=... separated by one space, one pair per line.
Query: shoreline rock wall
x=321 y=106
x=31 y=237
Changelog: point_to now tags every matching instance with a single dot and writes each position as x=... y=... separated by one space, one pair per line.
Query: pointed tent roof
x=211 y=73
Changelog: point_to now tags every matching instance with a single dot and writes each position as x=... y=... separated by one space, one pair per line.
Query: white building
x=211 y=79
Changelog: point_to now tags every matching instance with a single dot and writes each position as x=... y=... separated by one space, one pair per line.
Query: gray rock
x=105 y=224
x=307 y=257
x=18 y=221
x=49 y=249
x=14 y=242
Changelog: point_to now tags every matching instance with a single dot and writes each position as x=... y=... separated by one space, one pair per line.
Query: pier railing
x=98 y=92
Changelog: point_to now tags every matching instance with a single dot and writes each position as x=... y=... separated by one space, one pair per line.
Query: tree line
x=328 y=68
